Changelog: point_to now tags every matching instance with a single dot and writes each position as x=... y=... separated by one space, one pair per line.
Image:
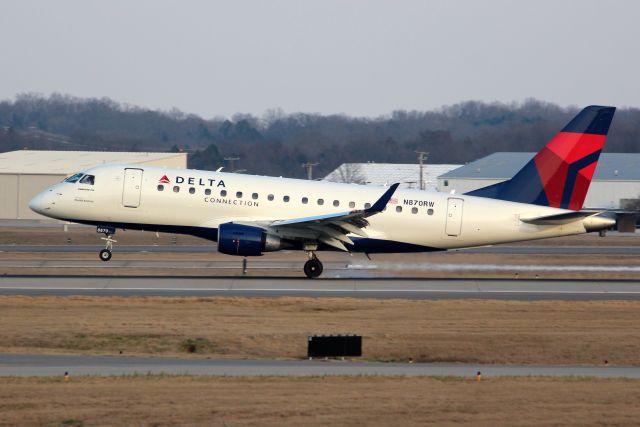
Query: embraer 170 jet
x=249 y=215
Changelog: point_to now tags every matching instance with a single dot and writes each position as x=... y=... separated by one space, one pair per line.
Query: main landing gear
x=313 y=267
x=105 y=254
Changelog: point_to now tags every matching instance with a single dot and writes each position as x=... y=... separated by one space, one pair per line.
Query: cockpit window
x=88 y=179
x=74 y=178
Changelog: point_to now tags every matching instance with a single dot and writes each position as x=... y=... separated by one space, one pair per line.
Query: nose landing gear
x=105 y=254
x=313 y=267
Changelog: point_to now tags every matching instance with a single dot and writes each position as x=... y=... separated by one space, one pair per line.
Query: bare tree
x=351 y=173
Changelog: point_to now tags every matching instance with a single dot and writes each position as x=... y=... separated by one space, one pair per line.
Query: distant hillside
x=278 y=144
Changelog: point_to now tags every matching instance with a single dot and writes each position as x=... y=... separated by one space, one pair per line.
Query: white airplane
x=250 y=215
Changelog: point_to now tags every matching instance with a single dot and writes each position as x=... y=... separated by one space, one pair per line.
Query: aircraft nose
x=41 y=202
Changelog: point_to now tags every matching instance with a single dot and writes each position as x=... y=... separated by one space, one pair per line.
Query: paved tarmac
x=498 y=249
x=505 y=289
x=333 y=269
x=47 y=365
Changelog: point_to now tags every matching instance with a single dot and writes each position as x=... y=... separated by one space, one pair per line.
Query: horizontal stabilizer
x=590 y=219
x=558 y=219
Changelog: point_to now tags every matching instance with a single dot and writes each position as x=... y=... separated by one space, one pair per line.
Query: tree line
x=279 y=144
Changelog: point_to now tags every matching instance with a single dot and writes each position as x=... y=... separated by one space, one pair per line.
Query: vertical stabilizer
x=559 y=175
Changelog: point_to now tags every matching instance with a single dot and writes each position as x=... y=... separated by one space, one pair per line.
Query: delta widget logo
x=164 y=180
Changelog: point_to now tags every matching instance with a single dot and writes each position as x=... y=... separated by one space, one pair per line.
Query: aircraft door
x=132 y=188
x=453 y=225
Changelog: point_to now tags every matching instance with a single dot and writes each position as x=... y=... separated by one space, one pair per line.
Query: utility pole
x=309 y=167
x=422 y=156
x=231 y=161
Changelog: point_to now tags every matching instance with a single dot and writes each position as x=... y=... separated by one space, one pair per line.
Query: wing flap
x=350 y=228
x=333 y=242
x=332 y=232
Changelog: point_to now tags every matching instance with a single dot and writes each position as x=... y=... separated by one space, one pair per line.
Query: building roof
x=407 y=175
x=67 y=162
x=611 y=167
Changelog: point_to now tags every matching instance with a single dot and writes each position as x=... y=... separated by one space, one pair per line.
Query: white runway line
x=525 y=289
x=493 y=267
x=316 y=290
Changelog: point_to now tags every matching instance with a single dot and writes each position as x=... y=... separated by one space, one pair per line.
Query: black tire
x=313 y=268
x=105 y=255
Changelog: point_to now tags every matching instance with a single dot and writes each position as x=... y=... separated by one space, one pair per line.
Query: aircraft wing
x=330 y=229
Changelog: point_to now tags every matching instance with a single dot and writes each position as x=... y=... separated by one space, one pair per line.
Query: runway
x=333 y=269
x=504 y=289
x=46 y=365
x=499 y=249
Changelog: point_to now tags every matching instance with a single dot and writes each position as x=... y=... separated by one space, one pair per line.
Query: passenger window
x=414 y=210
x=336 y=203
x=305 y=200
x=160 y=187
x=367 y=205
x=88 y=179
x=176 y=189
x=223 y=193
x=254 y=196
x=192 y=190
x=270 y=197
x=398 y=209
x=239 y=194
x=285 y=199
x=352 y=204
x=207 y=192
x=321 y=202
x=430 y=212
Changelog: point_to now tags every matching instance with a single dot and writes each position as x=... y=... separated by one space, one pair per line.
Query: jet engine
x=245 y=240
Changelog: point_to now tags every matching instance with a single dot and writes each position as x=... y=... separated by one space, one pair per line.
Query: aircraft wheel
x=313 y=268
x=105 y=255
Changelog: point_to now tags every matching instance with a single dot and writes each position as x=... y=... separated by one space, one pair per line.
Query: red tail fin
x=560 y=174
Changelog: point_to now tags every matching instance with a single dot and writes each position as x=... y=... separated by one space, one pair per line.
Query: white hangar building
x=25 y=173
x=408 y=175
x=616 y=178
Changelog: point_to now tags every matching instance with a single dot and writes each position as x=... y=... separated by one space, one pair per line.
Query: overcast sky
x=361 y=58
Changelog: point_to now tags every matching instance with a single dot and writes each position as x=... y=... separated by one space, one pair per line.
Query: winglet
x=382 y=201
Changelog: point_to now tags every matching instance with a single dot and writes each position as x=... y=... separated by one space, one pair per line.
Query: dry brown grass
x=576 y=332
x=371 y=401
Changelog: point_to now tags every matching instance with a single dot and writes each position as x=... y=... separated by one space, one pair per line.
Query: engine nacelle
x=598 y=223
x=245 y=240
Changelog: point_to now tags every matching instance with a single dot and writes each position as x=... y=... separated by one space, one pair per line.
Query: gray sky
x=331 y=56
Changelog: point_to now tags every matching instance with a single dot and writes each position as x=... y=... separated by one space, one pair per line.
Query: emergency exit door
x=454 y=217
x=132 y=188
